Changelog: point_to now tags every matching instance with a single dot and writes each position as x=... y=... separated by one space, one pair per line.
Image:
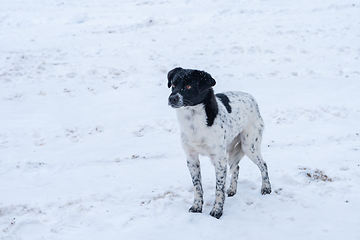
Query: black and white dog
x=224 y=127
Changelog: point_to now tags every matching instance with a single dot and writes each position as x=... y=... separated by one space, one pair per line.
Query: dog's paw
x=216 y=213
x=231 y=193
x=265 y=190
x=195 y=209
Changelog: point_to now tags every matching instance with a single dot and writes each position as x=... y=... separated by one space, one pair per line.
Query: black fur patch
x=225 y=100
x=211 y=108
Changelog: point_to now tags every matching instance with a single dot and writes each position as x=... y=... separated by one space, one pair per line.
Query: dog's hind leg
x=193 y=164
x=251 y=145
x=235 y=155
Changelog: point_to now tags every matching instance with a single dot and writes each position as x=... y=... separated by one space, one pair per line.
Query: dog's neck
x=208 y=105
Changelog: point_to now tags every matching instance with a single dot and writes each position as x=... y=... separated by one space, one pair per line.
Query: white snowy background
x=89 y=148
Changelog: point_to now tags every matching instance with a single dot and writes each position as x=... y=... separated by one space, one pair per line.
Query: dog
x=223 y=127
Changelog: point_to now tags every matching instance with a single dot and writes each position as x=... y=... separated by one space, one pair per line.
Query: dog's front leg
x=193 y=164
x=220 y=172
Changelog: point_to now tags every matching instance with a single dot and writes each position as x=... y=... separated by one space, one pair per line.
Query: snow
x=89 y=148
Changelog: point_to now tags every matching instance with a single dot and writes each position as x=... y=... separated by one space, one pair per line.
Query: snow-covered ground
x=89 y=148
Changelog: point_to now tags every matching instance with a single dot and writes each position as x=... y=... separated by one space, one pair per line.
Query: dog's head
x=188 y=87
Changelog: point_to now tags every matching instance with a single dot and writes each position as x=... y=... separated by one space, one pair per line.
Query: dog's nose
x=174 y=99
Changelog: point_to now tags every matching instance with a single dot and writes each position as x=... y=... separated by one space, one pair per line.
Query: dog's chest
x=194 y=131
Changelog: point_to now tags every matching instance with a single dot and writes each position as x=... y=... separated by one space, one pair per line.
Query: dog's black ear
x=205 y=81
x=171 y=75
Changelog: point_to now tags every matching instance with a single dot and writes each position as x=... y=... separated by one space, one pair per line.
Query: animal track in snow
x=3 y=141
x=287 y=116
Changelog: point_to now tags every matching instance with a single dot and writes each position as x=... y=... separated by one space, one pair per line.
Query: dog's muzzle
x=175 y=100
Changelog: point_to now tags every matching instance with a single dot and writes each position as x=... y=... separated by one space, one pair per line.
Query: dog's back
x=244 y=110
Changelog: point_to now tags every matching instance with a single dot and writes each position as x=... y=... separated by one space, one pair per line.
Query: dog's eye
x=188 y=87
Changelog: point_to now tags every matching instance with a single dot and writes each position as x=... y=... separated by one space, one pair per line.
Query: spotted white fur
x=231 y=136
